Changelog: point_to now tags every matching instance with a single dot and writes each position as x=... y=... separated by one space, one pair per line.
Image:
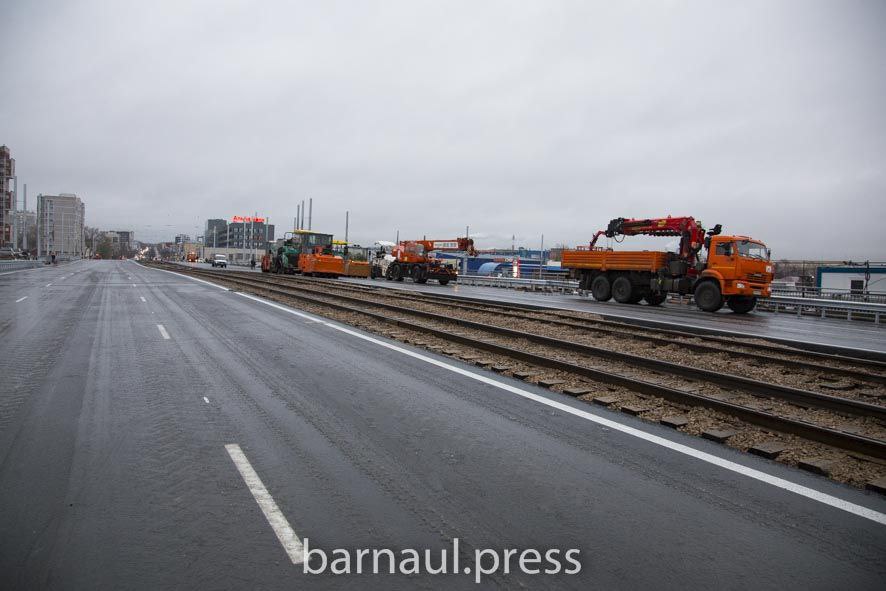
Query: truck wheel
x=416 y=274
x=601 y=289
x=443 y=281
x=655 y=299
x=741 y=304
x=623 y=290
x=708 y=296
x=396 y=273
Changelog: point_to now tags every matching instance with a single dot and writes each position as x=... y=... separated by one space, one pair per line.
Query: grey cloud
x=513 y=118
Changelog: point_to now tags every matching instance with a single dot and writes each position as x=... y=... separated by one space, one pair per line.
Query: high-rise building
x=60 y=225
x=216 y=232
x=182 y=238
x=250 y=235
x=124 y=239
x=7 y=197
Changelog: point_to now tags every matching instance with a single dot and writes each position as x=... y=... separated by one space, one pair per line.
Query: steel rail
x=618 y=329
x=842 y=439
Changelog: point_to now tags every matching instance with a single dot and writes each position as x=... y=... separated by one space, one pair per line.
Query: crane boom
x=690 y=231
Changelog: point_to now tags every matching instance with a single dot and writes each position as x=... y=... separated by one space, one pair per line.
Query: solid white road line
x=215 y=285
x=284 y=308
x=48 y=284
x=287 y=536
x=787 y=485
x=143 y=299
x=21 y=299
x=206 y=400
x=163 y=332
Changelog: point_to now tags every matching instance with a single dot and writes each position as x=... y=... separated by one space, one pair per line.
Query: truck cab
x=220 y=260
x=740 y=268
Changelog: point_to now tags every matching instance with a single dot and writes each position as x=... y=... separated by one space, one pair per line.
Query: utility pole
x=252 y=231
x=310 y=211
x=347 y=215
x=297 y=214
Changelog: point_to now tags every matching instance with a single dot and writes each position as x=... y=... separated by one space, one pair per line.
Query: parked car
x=220 y=260
x=7 y=253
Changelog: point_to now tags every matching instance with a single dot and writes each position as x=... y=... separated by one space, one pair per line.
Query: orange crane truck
x=413 y=258
x=735 y=272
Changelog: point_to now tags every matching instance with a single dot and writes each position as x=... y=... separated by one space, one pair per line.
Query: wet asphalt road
x=114 y=474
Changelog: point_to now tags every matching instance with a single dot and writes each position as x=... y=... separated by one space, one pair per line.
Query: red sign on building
x=239 y=219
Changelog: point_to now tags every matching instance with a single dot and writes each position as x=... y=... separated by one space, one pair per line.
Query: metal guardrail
x=549 y=285
x=824 y=308
x=19 y=265
x=822 y=293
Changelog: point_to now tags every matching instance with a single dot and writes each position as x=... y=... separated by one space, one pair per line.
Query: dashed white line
x=48 y=285
x=143 y=299
x=21 y=299
x=206 y=400
x=287 y=536
x=163 y=332
x=133 y=285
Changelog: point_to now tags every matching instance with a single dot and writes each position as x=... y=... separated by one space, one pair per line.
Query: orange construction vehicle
x=355 y=257
x=309 y=253
x=414 y=258
x=736 y=270
x=192 y=257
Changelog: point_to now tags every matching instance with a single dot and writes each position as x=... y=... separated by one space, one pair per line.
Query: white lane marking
x=191 y=278
x=143 y=299
x=284 y=308
x=48 y=284
x=787 y=485
x=206 y=400
x=133 y=285
x=163 y=332
x=287 y=536
x=21 y=299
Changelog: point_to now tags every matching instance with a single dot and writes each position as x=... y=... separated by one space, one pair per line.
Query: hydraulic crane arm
x=690 y=231
x=452 y=245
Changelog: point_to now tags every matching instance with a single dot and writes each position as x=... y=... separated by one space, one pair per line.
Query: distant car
x=220 y=260
x=97 y=256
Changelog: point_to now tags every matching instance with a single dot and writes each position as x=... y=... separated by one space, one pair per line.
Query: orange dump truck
x=736 y=271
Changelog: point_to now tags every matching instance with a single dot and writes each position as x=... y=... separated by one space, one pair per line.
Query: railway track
x=860 y=370
x=803 y=413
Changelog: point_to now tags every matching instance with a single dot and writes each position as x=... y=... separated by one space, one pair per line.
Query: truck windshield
x=753 y=250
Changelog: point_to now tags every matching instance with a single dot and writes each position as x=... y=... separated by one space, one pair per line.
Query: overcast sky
x=509 y=117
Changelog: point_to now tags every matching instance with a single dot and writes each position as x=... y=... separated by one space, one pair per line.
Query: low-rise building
x=869 y=278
